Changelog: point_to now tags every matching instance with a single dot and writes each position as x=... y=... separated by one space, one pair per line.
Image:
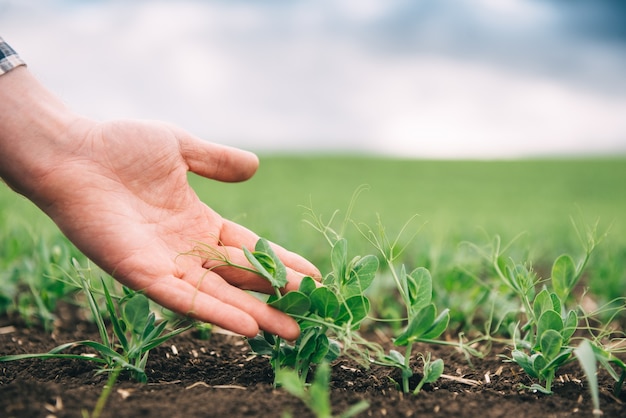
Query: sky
x=477 y=79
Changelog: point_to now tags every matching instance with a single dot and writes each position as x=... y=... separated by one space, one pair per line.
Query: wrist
x=35 y=131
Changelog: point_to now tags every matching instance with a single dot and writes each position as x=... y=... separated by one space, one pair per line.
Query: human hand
x=119 y=191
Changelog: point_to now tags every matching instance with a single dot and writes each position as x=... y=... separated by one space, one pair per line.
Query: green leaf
x=438 y=327
x=557 y=306
x=549 y=320
x=562 y=357
x=266 y=261
x=551 y=342
x=106 y=352
x=362 y=273
x=433 y=370
x=334 y=350
x=418 y=325
x=396 y=359
x=136 y=311
x=522 y=280
x=307 y=285
x=355 y=409
x=260 y=346
x=353 y=310
x=292 y=303
x=322 y=345
x=525 y=363
x=259 y=266
x=542 y=303
x=339 y=259
x=290 y=381
x=539 y=388
x=267 y=264
x=420 y=288
x=563 y=275
x=151 y=330
x=605 y=358
x=45 y=356
x=324 y=302
x=570 y=326
x=539 y=363
x=319 y=391
x=146 y=333
x=115 y=321
x=305 y=349
x=280 y=271
x=158 y=340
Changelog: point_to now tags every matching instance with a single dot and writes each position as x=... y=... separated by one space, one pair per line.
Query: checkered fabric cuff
x=8 y=58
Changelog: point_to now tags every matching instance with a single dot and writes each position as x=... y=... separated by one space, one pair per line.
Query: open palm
x=122 y=196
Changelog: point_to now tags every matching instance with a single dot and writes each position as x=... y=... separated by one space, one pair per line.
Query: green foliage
x=432 y=371
x=543 y=343
x=587 y=359
x=135 y=332
x=316 y=396
x=267 y=264
x=589 y=356
x=325 y=313
x=456 y=200
x=416 y=293
x=507 y=298
x=30 y=268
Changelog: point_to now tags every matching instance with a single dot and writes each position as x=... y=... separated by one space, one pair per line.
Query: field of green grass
x=455 y=202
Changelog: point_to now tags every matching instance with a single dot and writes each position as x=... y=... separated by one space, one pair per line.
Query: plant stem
x=407 y=364
x=419 y=386
x=549 y=379
x=276 y=359
x=106 y=391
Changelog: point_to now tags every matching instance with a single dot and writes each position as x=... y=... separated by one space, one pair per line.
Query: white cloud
x=269 y=79
x=514 y=11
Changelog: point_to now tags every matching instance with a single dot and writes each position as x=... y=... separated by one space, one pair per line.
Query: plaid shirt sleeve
x=8 y=58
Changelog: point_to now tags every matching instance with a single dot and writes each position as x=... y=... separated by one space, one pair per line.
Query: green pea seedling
x=325 y=313
x=316 y=396
x=543 y=343
x=424 y=324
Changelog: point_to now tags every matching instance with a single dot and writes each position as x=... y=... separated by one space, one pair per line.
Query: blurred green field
x=456 y=201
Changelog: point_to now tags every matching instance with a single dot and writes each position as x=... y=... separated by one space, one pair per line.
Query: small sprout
x=432 y=371
x=316 y=396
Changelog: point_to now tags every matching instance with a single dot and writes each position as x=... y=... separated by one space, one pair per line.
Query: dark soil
x=219 y=377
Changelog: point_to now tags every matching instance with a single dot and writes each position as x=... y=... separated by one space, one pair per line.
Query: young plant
x=325 y=313
x=29 y=270
x=424 y=324
x=432 y=371
x=551 y=334
x=589 y=355
x=135 y=333
x=316 y=396
x=543 y=343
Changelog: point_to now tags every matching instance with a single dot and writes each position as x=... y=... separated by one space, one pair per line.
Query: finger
x=267 y=318
x=236 y=311
x=235 y=235
x=183 y=298
x=214 y=161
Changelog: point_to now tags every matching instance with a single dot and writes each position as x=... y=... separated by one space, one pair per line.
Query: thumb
x=215 y=161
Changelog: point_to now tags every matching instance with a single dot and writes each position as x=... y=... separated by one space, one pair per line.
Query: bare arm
x=118 y=190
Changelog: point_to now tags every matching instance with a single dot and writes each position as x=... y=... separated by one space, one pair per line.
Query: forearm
x=34 y=131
